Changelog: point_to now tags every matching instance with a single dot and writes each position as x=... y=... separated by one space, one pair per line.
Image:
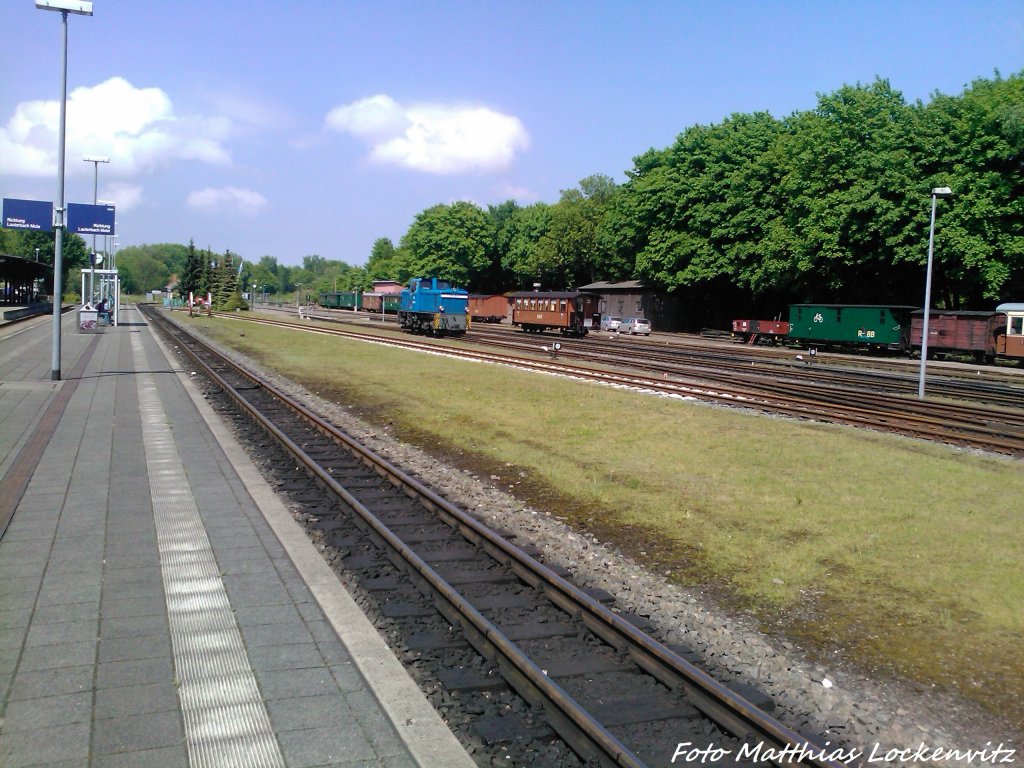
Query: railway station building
x=634 y=298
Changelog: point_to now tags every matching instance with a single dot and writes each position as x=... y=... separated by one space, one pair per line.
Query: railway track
x=492 y=623
x=721 y=361
x=963 y=424
x=889 y=377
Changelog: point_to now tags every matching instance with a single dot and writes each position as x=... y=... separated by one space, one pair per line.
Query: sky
x=297 y=127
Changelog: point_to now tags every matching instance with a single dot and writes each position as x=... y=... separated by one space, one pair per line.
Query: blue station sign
x=91 y=219
x=36 y=215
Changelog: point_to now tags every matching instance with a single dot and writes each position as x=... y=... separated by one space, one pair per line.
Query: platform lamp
x=107 y=238
x=95 y=160
x=937 y=192
x=81 y=8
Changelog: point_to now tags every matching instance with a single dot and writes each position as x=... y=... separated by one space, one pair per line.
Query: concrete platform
x=158 y=604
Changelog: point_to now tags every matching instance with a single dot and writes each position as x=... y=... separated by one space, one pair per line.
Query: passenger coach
x=570 y=312
x=1011 y=343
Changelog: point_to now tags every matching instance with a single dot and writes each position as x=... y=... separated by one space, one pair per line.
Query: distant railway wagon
x=878 y=326
x=761 y=331
x=987 y=335
x=959 y=332
x=569 y=312
x=432 y=306
x=389 y=303
x=488 y=308
x=1011 y=343
x=342 y=299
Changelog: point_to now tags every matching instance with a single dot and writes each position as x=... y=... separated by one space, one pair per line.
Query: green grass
x=907 y=553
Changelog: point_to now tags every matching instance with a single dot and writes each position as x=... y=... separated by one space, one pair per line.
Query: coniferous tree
x=205 y=274
x=193 y=272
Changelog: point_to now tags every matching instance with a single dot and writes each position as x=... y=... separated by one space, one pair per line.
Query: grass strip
x=904 y=554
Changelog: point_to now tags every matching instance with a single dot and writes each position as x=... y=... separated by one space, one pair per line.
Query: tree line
x=744 y=216
x=754 y=213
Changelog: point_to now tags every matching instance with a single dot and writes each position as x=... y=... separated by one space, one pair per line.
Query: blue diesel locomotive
x=432 y=306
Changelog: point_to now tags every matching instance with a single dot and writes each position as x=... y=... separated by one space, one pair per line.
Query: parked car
x=634 y=325
x=610 y=323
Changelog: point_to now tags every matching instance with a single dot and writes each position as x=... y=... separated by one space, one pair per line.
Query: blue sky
x=297 y=127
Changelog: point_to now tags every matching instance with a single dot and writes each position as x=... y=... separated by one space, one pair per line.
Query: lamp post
x=107 y=239
x=82 y=8
x=937 y=192
x=95 y=160
x=252 y=296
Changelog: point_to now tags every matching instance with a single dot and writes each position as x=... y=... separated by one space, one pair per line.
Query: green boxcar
x=860 y=325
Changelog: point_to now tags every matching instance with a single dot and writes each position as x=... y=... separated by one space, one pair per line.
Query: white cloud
x=125 y=197
x=520 y=194
x=229 y=200
x=374 y=117
x=435 y=138
x=135 y=127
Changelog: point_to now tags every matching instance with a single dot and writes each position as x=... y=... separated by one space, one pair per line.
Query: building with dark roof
x=634 y=298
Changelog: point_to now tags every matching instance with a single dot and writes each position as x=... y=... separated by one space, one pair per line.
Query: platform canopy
x=17 y=275
x=12 y=267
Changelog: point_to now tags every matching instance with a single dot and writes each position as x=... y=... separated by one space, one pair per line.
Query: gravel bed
x=837 y=703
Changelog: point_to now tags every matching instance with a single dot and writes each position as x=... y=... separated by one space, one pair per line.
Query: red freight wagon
x=753 y=331
x=955 y=331
x=484 y=308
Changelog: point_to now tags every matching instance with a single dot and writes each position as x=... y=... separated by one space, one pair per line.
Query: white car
x=610 y=323
x=635 y=325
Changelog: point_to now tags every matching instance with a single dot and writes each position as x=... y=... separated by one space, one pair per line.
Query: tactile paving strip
x=226 y=721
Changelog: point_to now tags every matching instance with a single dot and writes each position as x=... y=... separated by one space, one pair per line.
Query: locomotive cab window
x=1016 y=326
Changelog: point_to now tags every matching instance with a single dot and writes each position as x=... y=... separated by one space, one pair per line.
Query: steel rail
x=1002 y=387
x=722 y=364
x=586 y=735
x=974 y=427
x=725 y=352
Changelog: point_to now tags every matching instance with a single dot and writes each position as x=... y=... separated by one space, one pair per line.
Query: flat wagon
x=569 y=312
